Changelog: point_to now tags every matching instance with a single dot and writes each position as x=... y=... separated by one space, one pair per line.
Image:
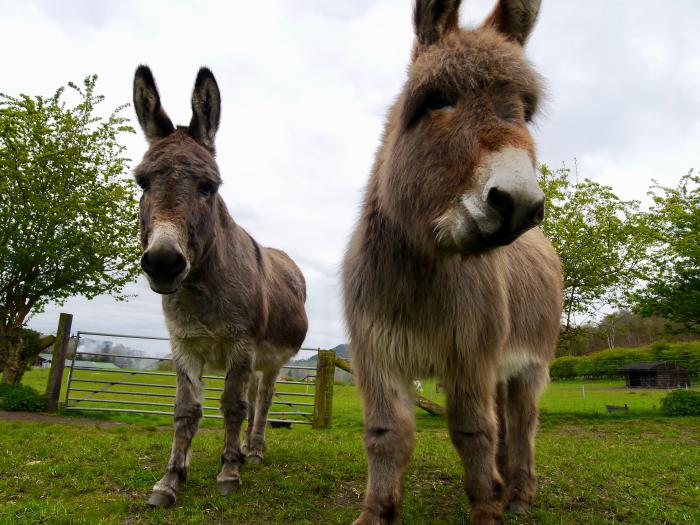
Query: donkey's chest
x=191 y=327
x=428 y=331
x=205 y=339
x=198 y=318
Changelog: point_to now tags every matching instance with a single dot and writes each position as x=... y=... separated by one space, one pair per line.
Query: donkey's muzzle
x=163 y=264
x=518 y=210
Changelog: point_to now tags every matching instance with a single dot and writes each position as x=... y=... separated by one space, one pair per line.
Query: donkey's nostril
x=163 y=264
x=518 y=211
x=500 y=200
x=536 y=215
x=146 y=264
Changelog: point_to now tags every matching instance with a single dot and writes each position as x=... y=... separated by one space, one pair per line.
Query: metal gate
x=150 y=391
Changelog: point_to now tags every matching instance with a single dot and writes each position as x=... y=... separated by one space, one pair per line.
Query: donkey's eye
x=437 y=100
x=530 y=102
x=508 y=109
x=511 y=104
x=206 y=189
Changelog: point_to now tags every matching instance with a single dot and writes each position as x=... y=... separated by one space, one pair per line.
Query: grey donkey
x=228 y=302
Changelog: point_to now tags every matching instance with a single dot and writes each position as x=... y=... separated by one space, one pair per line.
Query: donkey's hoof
x=254 y=458
x=487 y=514
x=161 y=499
x=518 y=507
x=228 y=486
x=366 y=519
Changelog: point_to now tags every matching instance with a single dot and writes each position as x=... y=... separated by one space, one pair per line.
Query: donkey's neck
x=218 y=255
x=388 y=248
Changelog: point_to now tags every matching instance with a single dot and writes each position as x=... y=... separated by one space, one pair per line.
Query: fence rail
x=131 y=392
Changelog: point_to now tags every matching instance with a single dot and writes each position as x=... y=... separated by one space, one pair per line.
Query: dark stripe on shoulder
x=258 y=252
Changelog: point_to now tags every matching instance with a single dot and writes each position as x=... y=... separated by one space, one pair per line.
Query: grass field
x=560 y=398
x=637 y=468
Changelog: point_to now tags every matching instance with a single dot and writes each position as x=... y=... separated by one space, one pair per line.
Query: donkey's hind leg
x=188 y=412
x=234 y=406
x=501 y=413
x=252 y=402
x=521 y=408
x=256 y=439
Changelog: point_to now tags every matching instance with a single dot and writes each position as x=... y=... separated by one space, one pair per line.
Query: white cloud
x=305 y=87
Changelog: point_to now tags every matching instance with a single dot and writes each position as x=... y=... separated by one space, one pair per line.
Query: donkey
x=228 y=302
x=444 y=275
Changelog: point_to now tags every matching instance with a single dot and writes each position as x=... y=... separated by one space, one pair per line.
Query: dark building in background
x=655 y=375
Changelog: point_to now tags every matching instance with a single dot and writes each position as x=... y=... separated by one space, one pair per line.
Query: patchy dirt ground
x=40 y=417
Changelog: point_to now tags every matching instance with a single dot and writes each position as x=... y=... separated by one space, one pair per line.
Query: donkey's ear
x=153 y=119
x=206 y=108
x=433 y=19
x=515 y=18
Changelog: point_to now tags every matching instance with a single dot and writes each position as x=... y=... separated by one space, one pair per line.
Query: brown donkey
x=444 y=276
x=228 y=302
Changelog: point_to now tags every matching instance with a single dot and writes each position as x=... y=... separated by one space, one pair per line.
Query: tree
x=68 y=213
x=673 y=287
x=601 y=239
x=27 y=345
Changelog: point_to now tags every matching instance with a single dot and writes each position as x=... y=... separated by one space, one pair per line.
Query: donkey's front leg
x=473 y=429
x=523 y=392
x=188 y=412
x=389 y=436
x=233 y=407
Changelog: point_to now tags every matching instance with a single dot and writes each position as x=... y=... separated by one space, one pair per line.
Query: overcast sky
x=305 y=86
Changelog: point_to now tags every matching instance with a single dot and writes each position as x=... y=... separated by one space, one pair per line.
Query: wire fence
x=140 y=382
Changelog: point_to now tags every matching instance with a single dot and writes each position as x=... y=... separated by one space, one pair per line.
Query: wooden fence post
x=58 y=361
x=325 y=378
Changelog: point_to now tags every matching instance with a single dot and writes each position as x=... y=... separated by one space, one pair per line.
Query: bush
x=21 y=398
x=564 y=367
x=605 y=364
x=681 y=403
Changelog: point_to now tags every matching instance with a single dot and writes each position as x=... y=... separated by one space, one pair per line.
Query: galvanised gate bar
x=151 y=391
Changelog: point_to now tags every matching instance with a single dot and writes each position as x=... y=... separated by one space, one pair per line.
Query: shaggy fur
x=231 y=303
x=427 y=294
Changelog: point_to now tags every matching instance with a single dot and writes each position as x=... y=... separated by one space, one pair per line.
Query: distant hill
x=341 y=350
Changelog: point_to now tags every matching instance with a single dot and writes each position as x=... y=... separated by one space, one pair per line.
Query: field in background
x=560 y=398
x=585 y=397
x=636 y=468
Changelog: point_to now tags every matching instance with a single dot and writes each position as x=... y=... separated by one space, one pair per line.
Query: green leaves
x=68 y=211
x=616 y=255
x=602 y=240
x=672 y=288
x=680 y=403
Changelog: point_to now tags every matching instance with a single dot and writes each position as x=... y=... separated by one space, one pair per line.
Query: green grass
x=593 y=469
x=560 y=397
x=586 y=397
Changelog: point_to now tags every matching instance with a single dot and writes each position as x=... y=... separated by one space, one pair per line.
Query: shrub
x=605 y=364
x=564 y=367
x=21 y=398
x=681 y=403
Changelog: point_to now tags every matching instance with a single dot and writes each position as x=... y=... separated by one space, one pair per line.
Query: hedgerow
x=605 y=364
